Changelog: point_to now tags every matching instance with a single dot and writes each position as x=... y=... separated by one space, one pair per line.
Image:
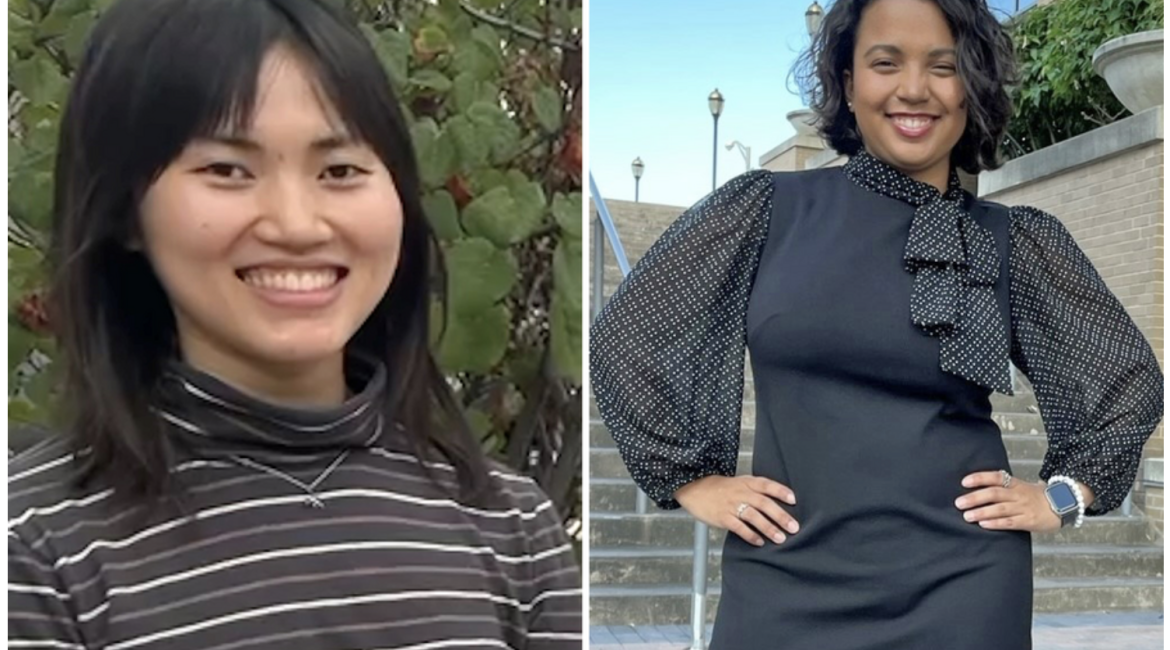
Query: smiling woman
x=261 y=447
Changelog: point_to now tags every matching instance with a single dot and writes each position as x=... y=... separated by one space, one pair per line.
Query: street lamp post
x=699 y=560
x=744 y=151
x=637 y=166
x=715 y=103
x=812 y=19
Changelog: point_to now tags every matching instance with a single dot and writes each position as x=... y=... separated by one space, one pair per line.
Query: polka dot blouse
x=667 y=351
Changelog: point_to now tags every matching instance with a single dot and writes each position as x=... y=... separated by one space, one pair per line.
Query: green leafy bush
x=493 y=92
x=1059 y=95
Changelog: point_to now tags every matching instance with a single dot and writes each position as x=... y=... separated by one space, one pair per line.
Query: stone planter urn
x=802 y=120
x=1132 y=65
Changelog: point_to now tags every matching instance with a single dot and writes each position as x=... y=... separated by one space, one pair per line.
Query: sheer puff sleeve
x=667 y=351
x=1096 y=378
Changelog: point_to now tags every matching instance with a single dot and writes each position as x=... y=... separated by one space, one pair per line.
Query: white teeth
x=287 y=280
x=912 y=122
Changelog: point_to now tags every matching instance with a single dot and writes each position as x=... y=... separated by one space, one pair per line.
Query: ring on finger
x=739 y=511
x=1007 y=478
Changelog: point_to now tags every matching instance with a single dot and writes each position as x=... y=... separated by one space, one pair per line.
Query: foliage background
x=493 y=93
x=1059 y=95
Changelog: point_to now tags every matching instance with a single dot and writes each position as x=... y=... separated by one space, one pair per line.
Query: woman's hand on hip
x=744 y=505
x=1020 y=506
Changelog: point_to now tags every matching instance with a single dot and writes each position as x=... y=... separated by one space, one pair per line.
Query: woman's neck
x=316 y=384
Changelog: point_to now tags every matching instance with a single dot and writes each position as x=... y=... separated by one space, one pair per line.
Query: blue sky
x=652 y=64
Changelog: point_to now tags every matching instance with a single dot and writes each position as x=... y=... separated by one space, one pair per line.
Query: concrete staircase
x=640 y=563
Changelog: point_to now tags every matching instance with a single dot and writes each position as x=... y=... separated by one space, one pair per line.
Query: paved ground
x=1093 y=631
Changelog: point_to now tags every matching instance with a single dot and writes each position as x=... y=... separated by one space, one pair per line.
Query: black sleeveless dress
x=880 y=315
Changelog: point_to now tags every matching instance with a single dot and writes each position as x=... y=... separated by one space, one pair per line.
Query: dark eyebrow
x=325 y=143
x=894 y=49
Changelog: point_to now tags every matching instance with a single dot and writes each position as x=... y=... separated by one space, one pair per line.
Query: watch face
x=1062 y=497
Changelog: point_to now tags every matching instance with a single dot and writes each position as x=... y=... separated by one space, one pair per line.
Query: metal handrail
x=604 y=224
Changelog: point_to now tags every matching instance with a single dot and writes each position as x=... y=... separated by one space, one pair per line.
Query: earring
x=850 y=105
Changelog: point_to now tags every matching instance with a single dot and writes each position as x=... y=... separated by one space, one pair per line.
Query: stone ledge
x=806 y=141
x=827 y=158
x=1130 y=133
x=1152 y=473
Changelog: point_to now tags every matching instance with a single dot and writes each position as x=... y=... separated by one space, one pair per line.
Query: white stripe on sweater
x=298 y=500
x=308 y=605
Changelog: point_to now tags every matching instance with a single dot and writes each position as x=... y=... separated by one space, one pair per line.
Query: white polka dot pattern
x=1096 y=378
x=955 y=266
x=667 y=351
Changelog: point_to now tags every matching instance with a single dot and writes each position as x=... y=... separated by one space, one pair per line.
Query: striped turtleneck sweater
x=307 y=529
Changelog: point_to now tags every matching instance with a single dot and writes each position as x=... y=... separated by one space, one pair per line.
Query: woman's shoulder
x=40 y=483
x=518 y=493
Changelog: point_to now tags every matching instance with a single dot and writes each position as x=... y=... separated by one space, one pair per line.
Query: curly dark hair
x=986 y=64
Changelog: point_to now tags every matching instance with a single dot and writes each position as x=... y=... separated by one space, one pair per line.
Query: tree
x=1059 y=95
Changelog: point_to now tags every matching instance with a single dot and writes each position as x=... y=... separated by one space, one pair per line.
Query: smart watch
x=1063 y=501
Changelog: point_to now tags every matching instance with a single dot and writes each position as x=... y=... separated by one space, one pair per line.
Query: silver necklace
x=311 y=500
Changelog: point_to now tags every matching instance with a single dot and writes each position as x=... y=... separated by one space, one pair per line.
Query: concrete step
x=1024 y=401
x=675 y=530
x=640 y=566
x=671 y=604
x=618 y=494
x=1019 y=446
x=1019 y=423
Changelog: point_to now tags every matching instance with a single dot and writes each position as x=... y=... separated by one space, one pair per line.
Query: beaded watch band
x=1076 y=490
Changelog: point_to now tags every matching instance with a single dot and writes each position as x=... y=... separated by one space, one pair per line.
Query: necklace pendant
x=313 y=502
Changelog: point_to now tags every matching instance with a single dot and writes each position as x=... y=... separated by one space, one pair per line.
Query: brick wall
x=1113 y=207
x=639 y=225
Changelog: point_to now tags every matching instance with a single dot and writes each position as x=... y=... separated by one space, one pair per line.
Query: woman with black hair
x=262 y=449
x=882 y=304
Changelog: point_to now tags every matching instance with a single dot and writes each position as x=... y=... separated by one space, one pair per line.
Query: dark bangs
x=155 y=75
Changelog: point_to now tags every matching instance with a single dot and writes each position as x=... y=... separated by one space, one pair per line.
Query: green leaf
x=431 y=79
x=443 y=215
x=475 y=342
x=77 y=34
x=20 y=343
x=487 y=36
x=466 y=90
x=548 y=107
x=435 y=151
x=57 y=21
x=565 y=335
x=25 y=271
x=497 y=129
x=39 y=80
x=476 y=59
x=21 y=409
x=505 y=218
x=567 y=211
x=30 y=197
x=393 y=50
x=478 y=275
x=531 y=203
x=473 y=149
x=485 y=179
x=432 y=40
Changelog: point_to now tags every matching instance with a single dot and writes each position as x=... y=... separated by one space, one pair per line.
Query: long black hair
x=986 y=64
x=155 y=75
